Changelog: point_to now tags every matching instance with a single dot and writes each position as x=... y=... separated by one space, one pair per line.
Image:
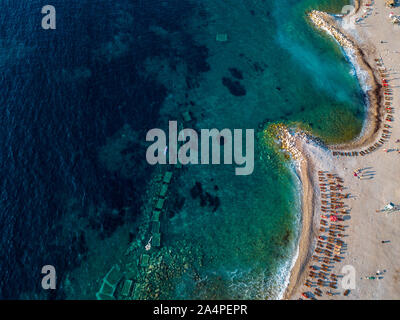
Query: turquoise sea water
x=291 y=72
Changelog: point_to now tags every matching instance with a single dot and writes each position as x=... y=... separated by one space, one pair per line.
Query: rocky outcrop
x=326 y=22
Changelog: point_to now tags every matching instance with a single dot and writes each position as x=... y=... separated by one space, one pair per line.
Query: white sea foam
x=322 y=157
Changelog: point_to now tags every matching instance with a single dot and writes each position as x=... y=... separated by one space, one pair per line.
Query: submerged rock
x=236 y=73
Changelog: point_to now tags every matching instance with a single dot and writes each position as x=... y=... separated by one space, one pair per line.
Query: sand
x=365 y=229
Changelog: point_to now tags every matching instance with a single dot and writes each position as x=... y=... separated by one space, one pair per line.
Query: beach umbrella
x=333 y=218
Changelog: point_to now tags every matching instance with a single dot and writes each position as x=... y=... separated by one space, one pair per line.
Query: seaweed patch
x=234 y=87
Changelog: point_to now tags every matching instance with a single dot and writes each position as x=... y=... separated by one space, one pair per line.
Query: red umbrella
x=333 y=218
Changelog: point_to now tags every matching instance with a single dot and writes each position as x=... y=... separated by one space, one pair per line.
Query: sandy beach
x=368 y=238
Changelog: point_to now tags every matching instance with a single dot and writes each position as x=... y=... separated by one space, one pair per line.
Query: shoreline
x=371 y=128
x=373 y=119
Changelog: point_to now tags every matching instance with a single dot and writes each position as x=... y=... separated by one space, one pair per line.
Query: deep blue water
x=63 y=92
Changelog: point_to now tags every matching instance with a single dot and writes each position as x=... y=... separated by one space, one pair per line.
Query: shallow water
x=76 y=111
